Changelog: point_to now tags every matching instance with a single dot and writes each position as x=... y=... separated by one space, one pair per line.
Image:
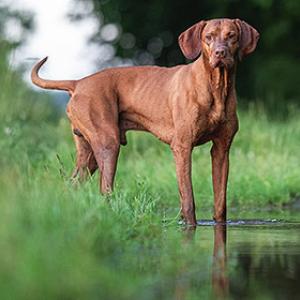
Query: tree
x=21 y=21
x=149 y=31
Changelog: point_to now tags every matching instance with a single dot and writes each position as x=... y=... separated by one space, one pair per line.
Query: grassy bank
x=264 y=159
x=61 y=242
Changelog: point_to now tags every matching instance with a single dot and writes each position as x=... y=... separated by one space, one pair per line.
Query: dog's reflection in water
x=219 y=276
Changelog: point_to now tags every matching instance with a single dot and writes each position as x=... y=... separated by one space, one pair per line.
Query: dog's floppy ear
x=248 y=38
x=190 y=40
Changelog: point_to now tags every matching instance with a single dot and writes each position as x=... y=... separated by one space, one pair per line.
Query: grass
x=58 y=242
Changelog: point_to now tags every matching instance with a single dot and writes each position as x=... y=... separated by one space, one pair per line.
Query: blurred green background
x=152 y=27
x=61 y=242
x=148 y=33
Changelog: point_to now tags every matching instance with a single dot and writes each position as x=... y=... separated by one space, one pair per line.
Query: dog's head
x=220 y=41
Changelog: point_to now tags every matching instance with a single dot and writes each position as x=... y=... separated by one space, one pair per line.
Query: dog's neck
x=220 y=82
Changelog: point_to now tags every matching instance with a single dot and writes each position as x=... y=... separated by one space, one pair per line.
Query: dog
x=183 y=106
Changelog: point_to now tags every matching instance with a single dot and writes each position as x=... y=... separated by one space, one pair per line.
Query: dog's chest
x=203 y=134
x=208 y=121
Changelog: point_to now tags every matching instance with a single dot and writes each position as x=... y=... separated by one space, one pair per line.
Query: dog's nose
x=220 y=52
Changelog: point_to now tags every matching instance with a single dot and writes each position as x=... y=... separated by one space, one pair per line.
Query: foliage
x=8 y=17
x=272 y=71
x=59 y=241
x=19 y=104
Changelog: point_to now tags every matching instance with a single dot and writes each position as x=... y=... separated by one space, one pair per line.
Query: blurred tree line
x=19 y=104
x=21 y=21
x=148 y=32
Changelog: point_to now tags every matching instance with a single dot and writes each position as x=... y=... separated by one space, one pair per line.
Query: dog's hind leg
x=86 y=163
x=98 y=120
x=106 y=150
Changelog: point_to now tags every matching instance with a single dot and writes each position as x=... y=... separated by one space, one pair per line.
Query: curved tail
x=66 y=85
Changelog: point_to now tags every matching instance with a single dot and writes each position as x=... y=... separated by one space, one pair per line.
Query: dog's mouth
x=226 y=63
x=218 y=64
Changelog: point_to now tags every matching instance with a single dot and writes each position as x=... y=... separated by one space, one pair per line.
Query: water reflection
x=219 y=274
x=263 y=261
x=220 y=281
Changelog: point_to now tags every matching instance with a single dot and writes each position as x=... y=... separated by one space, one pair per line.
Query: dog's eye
x=231 y=35
x=208 y=38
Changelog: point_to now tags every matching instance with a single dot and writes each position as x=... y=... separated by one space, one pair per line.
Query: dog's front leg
x=220 y=168
x=182 y=155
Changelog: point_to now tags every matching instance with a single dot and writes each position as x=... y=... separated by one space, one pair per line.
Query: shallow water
x=266 y=261
x=250 y=259
x=246 y=222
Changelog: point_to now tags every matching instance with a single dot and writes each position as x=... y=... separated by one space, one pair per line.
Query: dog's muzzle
x=220 y=57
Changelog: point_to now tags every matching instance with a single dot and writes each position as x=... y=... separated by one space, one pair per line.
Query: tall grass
x=62 y=242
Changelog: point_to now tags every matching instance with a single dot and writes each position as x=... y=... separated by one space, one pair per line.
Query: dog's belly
x=162 y=131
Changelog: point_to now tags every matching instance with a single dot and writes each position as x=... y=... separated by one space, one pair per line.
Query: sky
x=65 y=42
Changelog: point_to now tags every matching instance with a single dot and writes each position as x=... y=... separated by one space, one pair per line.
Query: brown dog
x=183 y=106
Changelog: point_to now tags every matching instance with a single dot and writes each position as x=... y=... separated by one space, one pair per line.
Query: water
x=259 y=261
x=249 y=259
x=249 y=222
